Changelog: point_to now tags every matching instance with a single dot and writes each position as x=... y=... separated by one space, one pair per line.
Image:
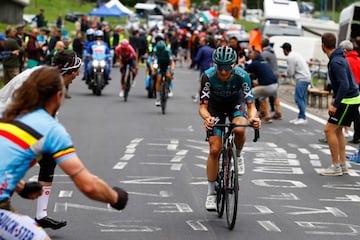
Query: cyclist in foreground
x=127 y=56
x=225 y=89
x=163 y=57
x=28 y=130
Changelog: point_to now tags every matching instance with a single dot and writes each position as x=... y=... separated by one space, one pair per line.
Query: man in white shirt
x=299 y=70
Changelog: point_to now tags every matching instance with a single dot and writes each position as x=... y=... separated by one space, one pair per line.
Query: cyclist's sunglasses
x=221 y=67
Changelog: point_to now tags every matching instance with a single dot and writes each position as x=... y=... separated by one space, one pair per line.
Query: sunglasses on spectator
x=221 y=67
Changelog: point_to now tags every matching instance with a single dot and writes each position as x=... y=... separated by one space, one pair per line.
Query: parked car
x=74 y=16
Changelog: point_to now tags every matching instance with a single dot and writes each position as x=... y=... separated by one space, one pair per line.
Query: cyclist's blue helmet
x=224 y=56
x=160 y=46
x=90 y=31
x=99 y=33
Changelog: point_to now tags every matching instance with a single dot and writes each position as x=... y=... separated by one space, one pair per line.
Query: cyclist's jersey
x=14 y=226
x=22 y=143
x=163 y=58
x=219 y=92
x=126 y=55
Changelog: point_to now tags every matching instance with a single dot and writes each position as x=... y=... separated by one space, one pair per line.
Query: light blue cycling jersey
x=23 y=142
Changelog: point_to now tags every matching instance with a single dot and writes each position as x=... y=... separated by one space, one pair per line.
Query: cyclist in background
x=158 y=37
x=164 y=59
x=126 y=56
x=224 y=91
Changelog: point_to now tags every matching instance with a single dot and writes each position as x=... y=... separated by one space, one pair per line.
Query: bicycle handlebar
x=231 y=126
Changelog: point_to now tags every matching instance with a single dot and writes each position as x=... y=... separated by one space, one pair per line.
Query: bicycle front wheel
x=220 y=188
x=127 y=85
x=232 y=188
x=163 y=94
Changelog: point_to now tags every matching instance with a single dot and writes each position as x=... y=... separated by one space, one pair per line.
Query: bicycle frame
x=164 y=90
x=227 y=180
x=128 y=74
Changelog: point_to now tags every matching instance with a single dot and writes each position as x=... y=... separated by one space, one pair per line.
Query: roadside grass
x=54 y=8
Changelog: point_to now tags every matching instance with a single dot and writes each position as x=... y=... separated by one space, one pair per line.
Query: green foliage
x=54 y=8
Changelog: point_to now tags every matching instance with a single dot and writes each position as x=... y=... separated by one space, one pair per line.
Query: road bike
x=164 y=87
x=227 y=182
x=128 y=78
x=164 y=92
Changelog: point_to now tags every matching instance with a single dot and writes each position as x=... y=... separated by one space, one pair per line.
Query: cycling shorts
x=47 y=168
x=131 y=62
x=15 y=227
x=223 y=110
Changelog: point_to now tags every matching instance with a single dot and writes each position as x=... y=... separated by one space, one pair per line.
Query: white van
x=349 y=22
x=308 y=47
x=281 y=18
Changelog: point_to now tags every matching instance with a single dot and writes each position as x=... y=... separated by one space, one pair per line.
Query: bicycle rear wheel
x=232 y=188
x=220 y=190
x=127 y=85
x=163 y=94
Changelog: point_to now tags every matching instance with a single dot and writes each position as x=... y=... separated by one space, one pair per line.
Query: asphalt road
x=160 y=160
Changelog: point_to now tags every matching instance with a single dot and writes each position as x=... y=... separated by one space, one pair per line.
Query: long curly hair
x=34 y=93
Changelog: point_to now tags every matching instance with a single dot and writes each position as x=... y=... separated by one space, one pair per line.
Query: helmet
x=99 y=33
x=90 y=31
x=124 y=43
x=224 y=55
x=160 y=46
x=159 y=36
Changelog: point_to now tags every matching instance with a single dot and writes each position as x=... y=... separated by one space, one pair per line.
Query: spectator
x=67 y=43
x=143 y=45
x=266 y=84
x=59 y=22
x=11 y=64
x=204 y=60
x=268 y=54
x=78 y=44
x=234 y=44
x=298 y=69
x=34 y=49
x=20 y=39
x=4 y=54
x=40 y=19
x=353 y=59
x=56 y=36
x=345 y=104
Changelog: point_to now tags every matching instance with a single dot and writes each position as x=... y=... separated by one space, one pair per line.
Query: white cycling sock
x=42 y=202
x=157 y=95
x=211 y=188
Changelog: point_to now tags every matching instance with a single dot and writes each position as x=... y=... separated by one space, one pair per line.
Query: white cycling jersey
x=14 y=226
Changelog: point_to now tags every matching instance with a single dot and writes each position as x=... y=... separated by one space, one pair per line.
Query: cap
x=286 y=46
x=346 y=45
x=2 y=38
